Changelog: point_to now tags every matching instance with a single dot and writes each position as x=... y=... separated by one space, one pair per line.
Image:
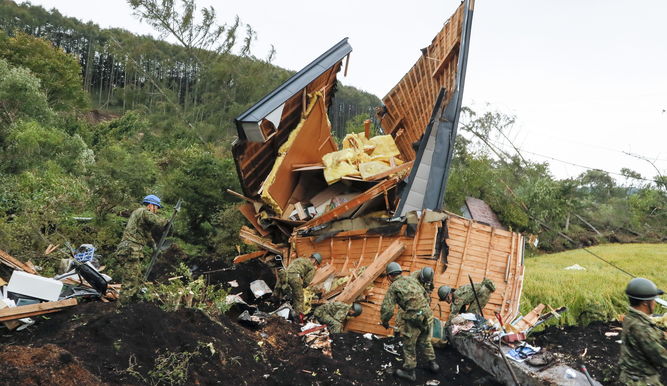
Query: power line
x=580 y=165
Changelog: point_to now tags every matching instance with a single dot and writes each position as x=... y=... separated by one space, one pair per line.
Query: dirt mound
x=47 y=365
x=143 y=344
x=596 y=345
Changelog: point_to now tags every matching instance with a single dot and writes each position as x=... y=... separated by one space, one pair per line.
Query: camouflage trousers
x=296 y=284
x=334 y=326
x=290 y=286
x=631 y=380
x=415 y=334
x=129 y=271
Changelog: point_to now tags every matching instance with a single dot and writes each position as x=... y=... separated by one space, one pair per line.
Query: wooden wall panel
x=475 y=249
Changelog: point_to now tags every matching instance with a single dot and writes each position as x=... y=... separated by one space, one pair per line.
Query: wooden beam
x=386 y=173
x=34 y=309
x=247 y=235
x=248 y=256
x=12 y=262
x=321 y=275
x=242 y=197
x=357 y=287
x=248 y=211
x=530 y=319
x=353 y=203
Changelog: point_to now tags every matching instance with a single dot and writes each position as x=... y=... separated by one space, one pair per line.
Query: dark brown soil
x=115 y=344
x=589 y=345
x=48 y=365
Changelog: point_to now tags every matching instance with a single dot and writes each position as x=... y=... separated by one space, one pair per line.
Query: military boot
x=407 y=374
x=433 y=366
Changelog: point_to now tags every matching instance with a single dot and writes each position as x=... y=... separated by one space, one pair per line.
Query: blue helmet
x=152 y=199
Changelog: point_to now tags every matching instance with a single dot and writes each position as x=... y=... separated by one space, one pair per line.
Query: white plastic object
x=39 y=287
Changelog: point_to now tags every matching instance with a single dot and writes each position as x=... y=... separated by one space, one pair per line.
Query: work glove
x=385 y=324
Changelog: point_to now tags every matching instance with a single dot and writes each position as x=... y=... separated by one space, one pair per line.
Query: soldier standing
x=644 y=348
x=416 y=317
x=463 y=298
x=334 y=314
x=130 y=253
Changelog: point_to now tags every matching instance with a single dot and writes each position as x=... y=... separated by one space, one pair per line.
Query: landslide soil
x=596 y=346
x=112 y=344
x=119 y=345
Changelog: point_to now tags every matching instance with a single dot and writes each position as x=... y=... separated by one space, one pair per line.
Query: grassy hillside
x=598 y=292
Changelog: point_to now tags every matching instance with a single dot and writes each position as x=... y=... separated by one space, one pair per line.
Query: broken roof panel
x=255 y=159
x=481 y=211
x=408 y=106
x=276 y=99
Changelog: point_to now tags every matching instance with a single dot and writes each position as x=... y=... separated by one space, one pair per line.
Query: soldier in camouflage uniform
x=334 y=314
x=425 y=277
x=416 y=317
x=463 y=298
x=133 y=248
x=298 y=276
x=644 y=348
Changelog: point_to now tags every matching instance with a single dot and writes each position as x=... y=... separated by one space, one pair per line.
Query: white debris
x=309 y=325
x=433 y=382
x=235 y=299
x=233 y=283
x=575 y=267
x=368 y=336
x=259 y=288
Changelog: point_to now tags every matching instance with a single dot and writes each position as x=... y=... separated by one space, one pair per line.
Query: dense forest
x=91 y=120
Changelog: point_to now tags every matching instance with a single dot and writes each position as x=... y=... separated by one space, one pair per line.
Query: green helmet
x=489 y=284
x=356 y=309
x=393 y=268
x=426 y=275
x=642 y=289
x=317 y=258
x=443 y=291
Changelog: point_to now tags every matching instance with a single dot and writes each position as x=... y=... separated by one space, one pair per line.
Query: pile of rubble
x=27 y=294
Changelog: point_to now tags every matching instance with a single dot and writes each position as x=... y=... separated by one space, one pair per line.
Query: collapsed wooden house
x=360 y=222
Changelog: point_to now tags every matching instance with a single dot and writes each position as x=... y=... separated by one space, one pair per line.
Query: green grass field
x=598 y=292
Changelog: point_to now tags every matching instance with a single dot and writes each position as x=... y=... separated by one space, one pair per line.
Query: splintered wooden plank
x=34 y=309
x=248 y=211
x=248 y=256
x=249 y=237
x=14 y=263
x=322 y=274
x=387 y=173
x=356 y=287
x=353 y=203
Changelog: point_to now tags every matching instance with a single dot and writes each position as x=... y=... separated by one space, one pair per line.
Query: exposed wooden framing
x=353 y=203
x=357 y=287
x=463 y=255
x=14 y=263
x=322 y=274
x=21 y=312
x=242 y=197
x=453 y=51
x=249 y=256
x=488 y=252
x=248 y=236
x=347 y=64
x=248 y=211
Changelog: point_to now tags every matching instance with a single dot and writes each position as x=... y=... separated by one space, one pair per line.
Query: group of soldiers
x=643 y=351
x=412 y=294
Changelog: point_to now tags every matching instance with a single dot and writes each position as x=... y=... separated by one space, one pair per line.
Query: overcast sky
x=585 y=78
